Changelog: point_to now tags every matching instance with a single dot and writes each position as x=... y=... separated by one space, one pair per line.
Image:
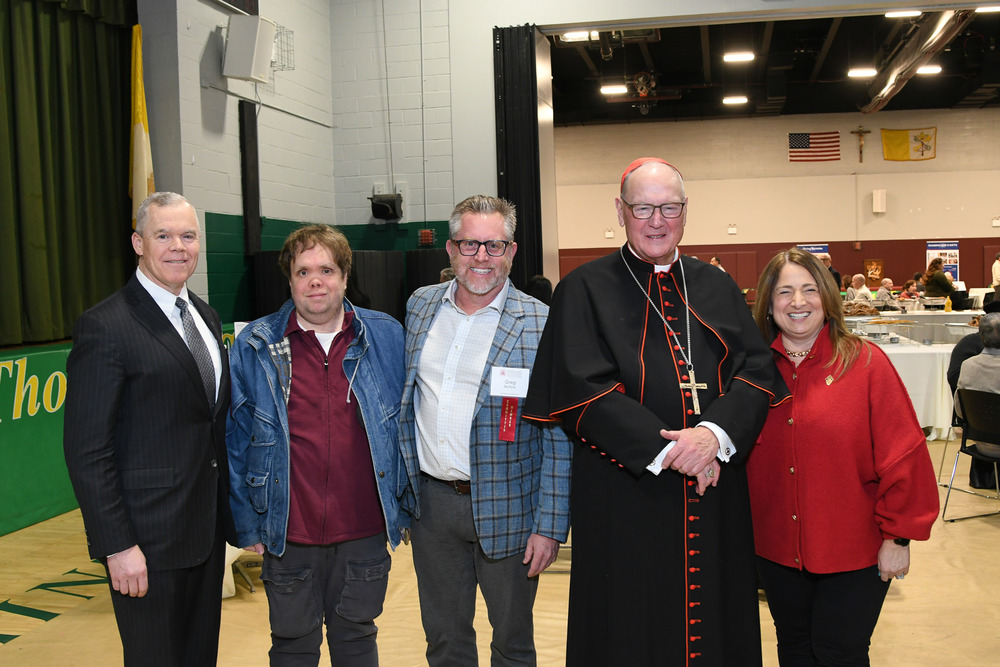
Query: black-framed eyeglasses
x=470 y=247
x=671 y=209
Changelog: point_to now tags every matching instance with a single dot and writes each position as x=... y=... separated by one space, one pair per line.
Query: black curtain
x=65 y=213
x=518 y=170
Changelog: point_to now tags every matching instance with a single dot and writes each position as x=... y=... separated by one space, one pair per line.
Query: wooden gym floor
x=53 y=611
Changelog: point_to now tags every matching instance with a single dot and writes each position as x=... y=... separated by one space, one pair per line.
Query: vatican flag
x=906 y=145
x=140 y=154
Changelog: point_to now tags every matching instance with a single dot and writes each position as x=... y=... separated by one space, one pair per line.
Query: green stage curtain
x=65 y=213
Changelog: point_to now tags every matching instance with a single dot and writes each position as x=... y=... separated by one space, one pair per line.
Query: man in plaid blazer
x=490 y=493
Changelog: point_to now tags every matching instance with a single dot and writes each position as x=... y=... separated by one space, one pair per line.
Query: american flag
x=813 y=146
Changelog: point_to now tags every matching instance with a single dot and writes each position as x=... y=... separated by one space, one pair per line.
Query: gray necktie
x=198 y=349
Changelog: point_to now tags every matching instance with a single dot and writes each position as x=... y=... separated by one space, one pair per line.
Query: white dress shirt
x=449 y=374
x=167 y=301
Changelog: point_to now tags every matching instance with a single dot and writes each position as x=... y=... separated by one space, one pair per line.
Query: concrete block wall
x=294 y=115
x=194 y=123
x=392 y=107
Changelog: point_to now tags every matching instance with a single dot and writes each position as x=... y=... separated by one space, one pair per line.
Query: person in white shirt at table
x=858 y=291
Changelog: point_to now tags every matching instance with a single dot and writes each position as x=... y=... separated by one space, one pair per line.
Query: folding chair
x=956 y=422
x=981 y=412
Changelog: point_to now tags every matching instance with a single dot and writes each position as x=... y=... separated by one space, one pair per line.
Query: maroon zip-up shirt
x=334 y=497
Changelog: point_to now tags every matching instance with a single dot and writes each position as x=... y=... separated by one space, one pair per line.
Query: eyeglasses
x=645 y=211
x=470 y=247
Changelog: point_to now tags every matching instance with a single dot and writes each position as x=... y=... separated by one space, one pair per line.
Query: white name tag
x=509 y=382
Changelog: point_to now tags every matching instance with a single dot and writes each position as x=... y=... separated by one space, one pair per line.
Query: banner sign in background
x=34 y=482
x=948 y=251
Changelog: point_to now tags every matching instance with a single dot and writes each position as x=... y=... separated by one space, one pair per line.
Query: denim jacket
x=257 y=429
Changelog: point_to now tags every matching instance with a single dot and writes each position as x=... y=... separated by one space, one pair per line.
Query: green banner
x=34 y=484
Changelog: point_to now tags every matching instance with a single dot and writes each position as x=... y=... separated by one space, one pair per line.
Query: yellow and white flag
x=140 y=153
x=905 y=145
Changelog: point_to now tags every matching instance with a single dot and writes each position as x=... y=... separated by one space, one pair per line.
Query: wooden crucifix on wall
x=860 y=133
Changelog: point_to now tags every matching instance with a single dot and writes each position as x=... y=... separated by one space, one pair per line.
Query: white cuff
x=726 y=447
x=656 y=467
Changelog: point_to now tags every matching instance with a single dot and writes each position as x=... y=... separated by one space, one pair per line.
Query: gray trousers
x=343 y=584
x=449 y=563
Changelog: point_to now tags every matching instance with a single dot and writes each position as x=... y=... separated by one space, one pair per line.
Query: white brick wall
x=195 y=124
x=397 y=88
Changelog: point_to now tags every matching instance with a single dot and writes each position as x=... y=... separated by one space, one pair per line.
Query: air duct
x=934 y=33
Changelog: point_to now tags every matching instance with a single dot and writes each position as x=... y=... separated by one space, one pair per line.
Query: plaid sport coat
x=520 y=487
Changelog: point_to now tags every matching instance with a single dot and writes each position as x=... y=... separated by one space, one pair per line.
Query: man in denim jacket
x=312 y=439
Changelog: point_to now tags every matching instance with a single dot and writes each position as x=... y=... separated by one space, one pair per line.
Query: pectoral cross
x=860 y=133
x=694 y=386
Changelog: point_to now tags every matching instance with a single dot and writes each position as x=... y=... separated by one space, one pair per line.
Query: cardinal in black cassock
x=638 y=341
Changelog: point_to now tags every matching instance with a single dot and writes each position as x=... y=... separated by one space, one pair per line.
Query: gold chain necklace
x=797 y=354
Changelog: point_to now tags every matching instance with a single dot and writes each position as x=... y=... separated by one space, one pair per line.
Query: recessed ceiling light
x=619 y=89
x=578 y=36
x=904 y=14
x=983 y=10
x=862 y=72
x=929 y=69
x=735 y=99
x=738 y=57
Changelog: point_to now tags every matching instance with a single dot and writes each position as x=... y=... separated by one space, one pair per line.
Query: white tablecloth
x=935 y=316
x=924 y=371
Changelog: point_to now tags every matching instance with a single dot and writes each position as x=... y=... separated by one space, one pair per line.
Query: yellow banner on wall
x=140 y=183
x=906 y=145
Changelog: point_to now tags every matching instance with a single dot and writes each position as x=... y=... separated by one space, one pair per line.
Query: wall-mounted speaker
x=878 y=201
x=249 y=48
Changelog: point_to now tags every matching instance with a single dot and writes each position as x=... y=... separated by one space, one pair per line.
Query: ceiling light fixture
x=735 y=99
x=578 y=36
x=903 y=14
x=985 y=10
x=862 y=72
x=929 y=69
x=738 y=57
x=617 y=89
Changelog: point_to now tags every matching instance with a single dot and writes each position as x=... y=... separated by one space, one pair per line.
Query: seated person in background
x=938 y=282
x=858 y=291
x=919 y=279
x=845 y=283
x=885 y=291
x=909 y=290
x=981 y=473
x=716 y=263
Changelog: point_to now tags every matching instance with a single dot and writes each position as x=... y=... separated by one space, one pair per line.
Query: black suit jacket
x=146 y=454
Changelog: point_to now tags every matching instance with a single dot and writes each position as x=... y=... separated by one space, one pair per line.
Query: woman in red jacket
x=840 y=479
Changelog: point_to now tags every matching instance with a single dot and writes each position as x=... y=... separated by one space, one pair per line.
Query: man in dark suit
x=145 y=418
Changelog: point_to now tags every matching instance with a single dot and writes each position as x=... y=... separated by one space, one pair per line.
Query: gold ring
x=710 y=472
